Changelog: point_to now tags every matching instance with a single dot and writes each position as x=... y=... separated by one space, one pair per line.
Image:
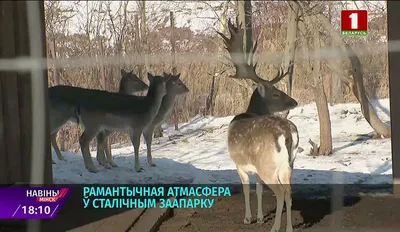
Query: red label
x=354 y=20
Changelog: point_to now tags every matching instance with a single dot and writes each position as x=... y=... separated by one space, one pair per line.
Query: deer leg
x=246 y=192
x=55 y=147
x=259 y=191
x=101 y=140
x=108 y=154
x=288 y=201
x=53 y=138
x=58 y=117
x=135 y=139
x=286 y=178
x=84 y=142
x=148 y=137
x=279 y=194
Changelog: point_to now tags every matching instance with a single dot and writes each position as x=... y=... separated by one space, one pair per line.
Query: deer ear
x=178 y=75
x=165 y=74
x=123 y=72
x=150 y=76
x=261 y=89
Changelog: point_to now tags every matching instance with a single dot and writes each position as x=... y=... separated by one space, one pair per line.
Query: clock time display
x=34 y=210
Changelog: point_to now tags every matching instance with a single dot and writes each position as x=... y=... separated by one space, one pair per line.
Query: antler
x=245 y=69
x=243 y=62
x=280 y=75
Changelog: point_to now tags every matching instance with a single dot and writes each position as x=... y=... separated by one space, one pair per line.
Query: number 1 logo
x=354 y=22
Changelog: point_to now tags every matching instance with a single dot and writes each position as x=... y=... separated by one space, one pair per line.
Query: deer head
x=130 y=83
x=266 y=99
x=175 y=86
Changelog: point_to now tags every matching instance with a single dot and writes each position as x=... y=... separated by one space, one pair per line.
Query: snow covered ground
x=198 y=153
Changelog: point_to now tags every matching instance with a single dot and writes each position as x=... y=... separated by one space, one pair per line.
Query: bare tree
x=335 y=84
x=158 y=132
x=56 y=19
x=174 y=69
x=325 y=134
x=118 y=23
x=290 y=48
x=355 y=83
x=218 y=69
x=244 y=17
x=143 y=33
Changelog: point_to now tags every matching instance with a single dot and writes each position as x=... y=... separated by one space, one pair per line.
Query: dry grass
x=230 y=98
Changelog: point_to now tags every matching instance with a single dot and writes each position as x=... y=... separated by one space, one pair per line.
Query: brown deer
x=259 y=142
x=175 y=87
x=129 y=84
x=99 y=110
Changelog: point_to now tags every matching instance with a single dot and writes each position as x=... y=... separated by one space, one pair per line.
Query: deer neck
x=257 y=106
x=154 y=99
x=165 y=110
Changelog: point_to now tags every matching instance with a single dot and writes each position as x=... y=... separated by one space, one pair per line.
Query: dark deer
x=175 y=87
x=129 y=84
x=259 y=142
x=100 y=111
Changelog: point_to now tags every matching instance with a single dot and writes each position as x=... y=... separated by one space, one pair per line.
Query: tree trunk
x=158 y=132
x=210 y=102
x=144 y=36
x=244 y=17
x=356 y=83
x=244 y=13
x=335 y=84
x=330 y=77
x=325 y=134
x=359 y=91
x=138 y=46
x=210 y=98
x=174 y=71
x=336 y=88
x=53 y=52
x=290 y=49
x=102 y=68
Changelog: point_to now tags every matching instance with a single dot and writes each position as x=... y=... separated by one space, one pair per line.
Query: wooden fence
x=15 y=98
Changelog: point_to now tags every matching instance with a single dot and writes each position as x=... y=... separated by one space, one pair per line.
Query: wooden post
x=53 y=52
x=15 y=98
x=173 y=43
x=393 y=18
x=174 y=71
x=102 y=67
x=144 y=36
x=138 y=47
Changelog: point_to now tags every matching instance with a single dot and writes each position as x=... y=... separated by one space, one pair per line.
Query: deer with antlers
x=259 y=142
